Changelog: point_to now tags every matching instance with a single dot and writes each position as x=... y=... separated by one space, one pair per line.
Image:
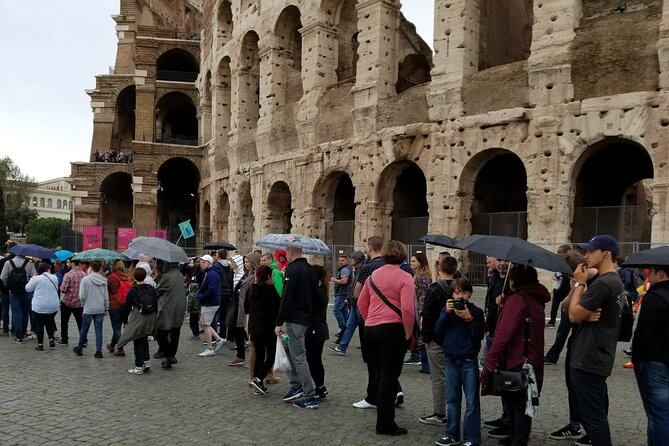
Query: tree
x=3 y=224
x=46 y=232
x=18 y=217
x=16 y=188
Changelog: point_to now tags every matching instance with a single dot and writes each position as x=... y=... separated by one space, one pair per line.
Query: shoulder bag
x=515 y=381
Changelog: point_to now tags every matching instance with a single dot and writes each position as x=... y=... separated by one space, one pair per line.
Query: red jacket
x=506 y=351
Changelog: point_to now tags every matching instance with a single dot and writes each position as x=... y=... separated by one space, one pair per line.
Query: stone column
x=103 y=126
x=660 y=227
x=663 y=46
x=125 y=48
x=273 y=75
x=244 y=118
x=549 y=62
x=456 y=52
x=145 y=113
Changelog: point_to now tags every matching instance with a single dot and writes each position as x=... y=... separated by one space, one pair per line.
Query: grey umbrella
x=308 y=245
x=159 y=248
x=440 y=240
x=649 y=257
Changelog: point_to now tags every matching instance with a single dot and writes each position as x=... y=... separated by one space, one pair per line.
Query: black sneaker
x=500 y=432
x=18 y=341
x=165 y=364
x=98 y=355
x=78 y=351
x=628 y=352
x=566 y=433
x=39 y=348
x=258 y=384
x=62 y=343
x=158 y=355
x=52 y=343
x=321 y=392
x=550 y=325
x=493 y=424
x=583 y=441
x=399 y=399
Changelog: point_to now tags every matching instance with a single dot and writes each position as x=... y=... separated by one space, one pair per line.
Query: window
x=34 y=202
x=49 y=203
x=71 y=207
x=59 y=204
x=41 y=202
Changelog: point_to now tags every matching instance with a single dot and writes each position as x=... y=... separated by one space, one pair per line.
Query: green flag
x=186 y=229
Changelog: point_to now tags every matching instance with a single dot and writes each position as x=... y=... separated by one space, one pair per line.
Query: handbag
x=512 y=380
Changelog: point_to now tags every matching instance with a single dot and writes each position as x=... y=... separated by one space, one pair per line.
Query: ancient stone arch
x=505 y=32
x=178 y=192
x=176 y=118
x=225 y=23
x=279 y=208
x=116 y=200
x=334 y=204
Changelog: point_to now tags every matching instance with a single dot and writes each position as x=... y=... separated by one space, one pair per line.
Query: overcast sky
x=51 y=52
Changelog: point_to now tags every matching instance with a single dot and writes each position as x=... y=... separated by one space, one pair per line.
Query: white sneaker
x=136 y=371
x=363 y=404
x=219 y=344
x=207 y=352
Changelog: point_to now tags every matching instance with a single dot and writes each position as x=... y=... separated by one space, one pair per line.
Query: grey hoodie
x=93 y=294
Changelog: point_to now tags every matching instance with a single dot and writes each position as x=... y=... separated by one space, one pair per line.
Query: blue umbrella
x=308 y=245
x=63 y=254
x=30 y=250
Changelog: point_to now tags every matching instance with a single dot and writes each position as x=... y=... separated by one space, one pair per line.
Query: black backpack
x=147 y=300
x=626 y=318
x=227 y=276
x=17 y=278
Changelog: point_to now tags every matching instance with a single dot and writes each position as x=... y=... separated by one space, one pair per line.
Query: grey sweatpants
x=299 y=367
x=435 y=357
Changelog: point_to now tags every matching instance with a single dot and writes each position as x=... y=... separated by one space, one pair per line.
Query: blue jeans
x=20 y=303
x=463 y=374
x=351 y=325
x=653 y=381
x=115 y=319
x=86 y=324
x=4 y=299
x=340 y=311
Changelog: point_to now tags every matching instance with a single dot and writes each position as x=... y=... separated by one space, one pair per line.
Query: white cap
x=207 y=258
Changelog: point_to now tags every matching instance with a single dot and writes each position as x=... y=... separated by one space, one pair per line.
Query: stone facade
x=52 y=199
x=333 y=118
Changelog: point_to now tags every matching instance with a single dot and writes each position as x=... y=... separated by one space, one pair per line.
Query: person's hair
x=573 y=258
x=423 y=265
x=619 y=260
x=448 y=265
x=522 y=275
x=269 y=256
x=42 y=267
x=96 y=265
x=445 y=253
x=376 y=243
x=462 y=284
x=343 y=256
x=663 y=268
x=263 y=273
x=118 y=267
x=223 y=254
x=565 y=248
x=139 y=274
x=393 y=252
x=10 y=243
x=322 y=275
x=258 y=251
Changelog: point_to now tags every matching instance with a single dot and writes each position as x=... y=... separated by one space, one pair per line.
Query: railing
x=625 y=223
x=510 y=224
x=183 y=140
x=176 y=76
x=187 y=36
x=347 y=73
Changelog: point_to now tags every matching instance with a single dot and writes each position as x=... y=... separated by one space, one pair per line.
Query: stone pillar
x=205 y=121
x=145 y=113
x=221 y=113
x=103 y=126
x=244 y=119
x=663 y=46
x=378 y=21
x=660 y=227
x=273 y=80
x=549 y=62
x=456 y=53
x=125 y=49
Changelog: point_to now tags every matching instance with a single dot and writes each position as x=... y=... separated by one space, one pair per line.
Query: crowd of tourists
x=274 y=303
x=111 y=156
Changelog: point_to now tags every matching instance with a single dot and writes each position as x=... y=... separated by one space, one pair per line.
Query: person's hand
x=580 y=274
x=332 y=279
x=595 y=315
x=277 y=330
x=449 y=305
x=464 y=314
x=407 y=334
x=498 y=300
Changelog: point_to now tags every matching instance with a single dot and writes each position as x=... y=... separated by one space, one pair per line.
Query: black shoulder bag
x=515 y=381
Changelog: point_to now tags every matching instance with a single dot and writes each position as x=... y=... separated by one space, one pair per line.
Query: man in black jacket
x=295 y=317
x=223 y=267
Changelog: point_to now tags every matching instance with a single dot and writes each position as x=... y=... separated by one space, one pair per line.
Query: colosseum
x=542 y=119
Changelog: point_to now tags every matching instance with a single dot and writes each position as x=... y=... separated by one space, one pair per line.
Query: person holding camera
x=461 y=329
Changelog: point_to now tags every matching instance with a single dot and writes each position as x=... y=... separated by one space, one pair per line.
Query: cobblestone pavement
x=57 y=398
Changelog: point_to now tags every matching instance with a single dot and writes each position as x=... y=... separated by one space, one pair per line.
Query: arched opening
x=116 y=201
x=42 y=203
x=49 y=203
x=611 y=197
x=249 y=104
x=59 y=203
x=176 y=120
x=222 y=217
x=245 y=224
x=347 y=26
x=225 y=23
x=499 y=205
x=223 y=98
x=505 y=34
x=178 y=190
x=334 y=198
x=413 y=70
x=177 y=65
x=206 y=215
x=290 y=42
x=279 y=209
x=124 y=122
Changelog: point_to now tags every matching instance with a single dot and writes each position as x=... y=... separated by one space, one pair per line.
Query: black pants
x=224 y=331
x=168 y=341
x=520 y=423
x=574 y=414
x=45 y=320
x=240 y=342
x=387 y=345
x=141 y=351
x=65 y=313
x=265 y=346
x=194 y=323
x=314 y=349
x=592 y=397
x=555 y=306
x=560 y=338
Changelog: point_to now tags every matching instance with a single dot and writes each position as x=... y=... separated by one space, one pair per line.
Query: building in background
x=52 y=198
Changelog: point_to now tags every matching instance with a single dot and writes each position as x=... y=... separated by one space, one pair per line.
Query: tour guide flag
x=92 y=237
x=124 y=237
x=186 y=229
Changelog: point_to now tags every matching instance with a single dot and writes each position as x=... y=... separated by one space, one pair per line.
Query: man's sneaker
x=627 y=351
x=52 y=343
x=158 y=355
x=147 y=366
x=165 y=364
x=219 y=344
x=492 y=424
x=98 y=355
x=337 y=350
x=110 y=348
x=304 y=403
x=468 y=443
x=293 y=394
x=434 y=419
x=18 y=341
x=412 y=360
x=363 y=404
x=78 y=351
x=547 y=361
x=550 y=325
x=62 y=343
x=566 y=433
x=136 y=371
x=237 y=361
x=257 y=383
x=321 y=392
x=39 y=348
x=500 y=432
x=447 y=441
x=583 y=441
x=399 y=399
x=207 y=352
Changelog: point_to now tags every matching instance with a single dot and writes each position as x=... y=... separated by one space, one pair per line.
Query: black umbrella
x=515 y=250
x=32 y=251
x=440 y=240
x=220 y=245
x=649 y=257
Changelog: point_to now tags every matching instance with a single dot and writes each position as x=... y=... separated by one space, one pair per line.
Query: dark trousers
x=560 y=338
x=574 y=414
x=194 y=323
x=520 y=423
x=592 y=397
x=265 y=347
x=314 y=349
x=386 y=344
x=45 y=320
x=168 y=341
x=555 y=306
x=240 y=342
x=65 y=313
x=224 y=331
x=115 y=316
x=141 y=351
x=4 y=296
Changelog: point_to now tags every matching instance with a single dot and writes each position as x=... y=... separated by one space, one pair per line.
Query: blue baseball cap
x=603 y=242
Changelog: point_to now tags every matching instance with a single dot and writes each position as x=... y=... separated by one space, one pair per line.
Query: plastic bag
x=281 y=363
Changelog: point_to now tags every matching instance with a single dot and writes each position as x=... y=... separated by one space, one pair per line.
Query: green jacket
x=277 y=278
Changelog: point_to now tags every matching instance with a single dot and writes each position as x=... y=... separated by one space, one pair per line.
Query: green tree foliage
x=46 y=232
x=3 y=224
x=16 y=187
x=18 y=217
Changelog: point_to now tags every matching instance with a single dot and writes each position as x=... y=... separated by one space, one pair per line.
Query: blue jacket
x=209 y=293
x=461 y=339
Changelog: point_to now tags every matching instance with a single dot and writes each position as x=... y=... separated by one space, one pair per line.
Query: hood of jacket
x=535 y=291
x=98 y=280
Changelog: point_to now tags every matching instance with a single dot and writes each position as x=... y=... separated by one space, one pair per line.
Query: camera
x=459 y=304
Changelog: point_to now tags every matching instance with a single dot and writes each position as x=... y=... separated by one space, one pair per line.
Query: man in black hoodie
x=295 y=317
x=224 y=269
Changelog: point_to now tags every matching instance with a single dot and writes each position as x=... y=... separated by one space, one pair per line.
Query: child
x=460 y=327
x=94 y=297
x=142 y=304
x=194 y=311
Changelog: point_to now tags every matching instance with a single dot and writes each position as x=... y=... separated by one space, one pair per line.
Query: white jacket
x=45 y=293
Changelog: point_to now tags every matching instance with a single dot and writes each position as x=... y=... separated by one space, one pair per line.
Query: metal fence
x=176 y=76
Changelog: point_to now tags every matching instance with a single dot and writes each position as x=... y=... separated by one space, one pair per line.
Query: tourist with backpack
x=15 y=275
x=119 y=286
x=141 y=305
x=44 y=287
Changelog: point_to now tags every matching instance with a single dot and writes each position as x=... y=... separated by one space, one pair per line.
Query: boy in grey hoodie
x=95 y=299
